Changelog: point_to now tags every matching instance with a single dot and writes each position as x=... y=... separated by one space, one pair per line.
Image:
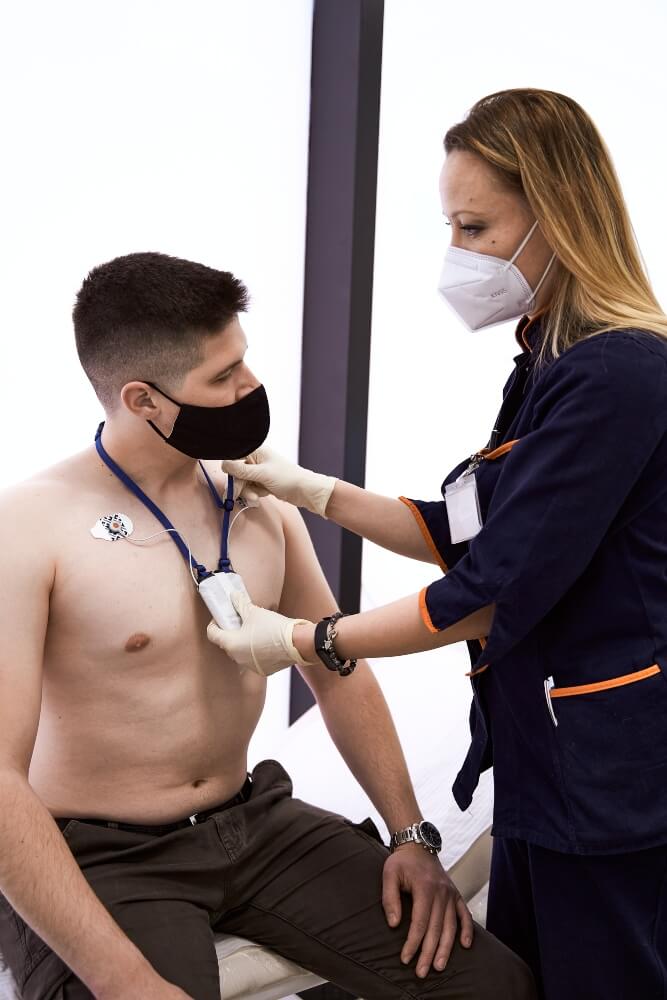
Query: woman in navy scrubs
x=552 y=543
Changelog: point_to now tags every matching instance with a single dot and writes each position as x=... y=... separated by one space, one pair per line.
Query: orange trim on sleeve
x=639 y=675
x=428 y=538
x=424 y=612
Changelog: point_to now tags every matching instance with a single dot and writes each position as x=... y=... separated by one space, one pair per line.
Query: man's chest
x=113 y=597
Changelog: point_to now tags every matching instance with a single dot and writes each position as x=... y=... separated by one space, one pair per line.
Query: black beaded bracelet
x=325 y=633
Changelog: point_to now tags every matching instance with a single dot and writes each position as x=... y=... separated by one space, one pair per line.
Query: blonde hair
x=546 y=147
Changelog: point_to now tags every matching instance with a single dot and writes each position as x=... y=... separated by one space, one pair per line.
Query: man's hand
x=264 y=641
x=265 y=471
x=436 y=903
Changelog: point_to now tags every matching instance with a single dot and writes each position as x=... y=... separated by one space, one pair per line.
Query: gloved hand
x=240 y=488
x=264 y=641
x=265 y=471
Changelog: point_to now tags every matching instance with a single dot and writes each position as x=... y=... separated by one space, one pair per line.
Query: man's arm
x=368 y=742
x=38 y=875
x=358 y=719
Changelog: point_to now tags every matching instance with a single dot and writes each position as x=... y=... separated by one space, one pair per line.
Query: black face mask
x=219 y=432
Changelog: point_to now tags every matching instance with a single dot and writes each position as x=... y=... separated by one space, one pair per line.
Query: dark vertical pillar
x=340 y=237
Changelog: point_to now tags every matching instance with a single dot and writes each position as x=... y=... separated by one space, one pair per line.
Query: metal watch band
x=413 y=835
x=408 y=835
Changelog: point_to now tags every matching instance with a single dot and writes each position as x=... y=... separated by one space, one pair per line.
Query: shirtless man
x=119 y=720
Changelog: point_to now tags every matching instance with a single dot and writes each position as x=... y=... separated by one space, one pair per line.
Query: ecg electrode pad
x=111 y=527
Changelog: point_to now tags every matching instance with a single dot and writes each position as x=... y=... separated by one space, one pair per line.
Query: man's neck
x=146 y=458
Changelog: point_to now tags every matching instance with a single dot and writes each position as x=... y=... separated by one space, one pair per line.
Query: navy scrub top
x=573 y=553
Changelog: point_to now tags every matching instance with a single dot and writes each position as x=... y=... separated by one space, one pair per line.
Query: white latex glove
x=264 y=641
x=265 y=471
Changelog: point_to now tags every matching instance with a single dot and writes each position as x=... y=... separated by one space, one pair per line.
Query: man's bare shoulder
x=287 y=513
x=293 y=527
x=45 y=489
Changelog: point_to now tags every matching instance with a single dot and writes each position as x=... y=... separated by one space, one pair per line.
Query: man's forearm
x=362 y=728
x=42 y=881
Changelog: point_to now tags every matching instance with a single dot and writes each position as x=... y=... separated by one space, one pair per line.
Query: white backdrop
x=179 y=127
x=183 y=128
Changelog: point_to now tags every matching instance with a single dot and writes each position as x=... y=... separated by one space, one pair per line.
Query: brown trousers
x=302 y=881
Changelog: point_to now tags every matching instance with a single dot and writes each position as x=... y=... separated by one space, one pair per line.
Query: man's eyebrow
x=229 y=368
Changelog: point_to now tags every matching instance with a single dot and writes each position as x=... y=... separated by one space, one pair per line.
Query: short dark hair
x=146 y=315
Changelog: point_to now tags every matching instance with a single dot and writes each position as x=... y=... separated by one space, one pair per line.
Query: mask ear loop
x=163 y=393
x=542 y=279
x=546 y=271
x=523 y=244
x=171 y=400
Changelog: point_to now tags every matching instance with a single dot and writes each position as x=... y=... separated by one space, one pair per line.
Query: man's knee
x=489 y=971
x=507 y=976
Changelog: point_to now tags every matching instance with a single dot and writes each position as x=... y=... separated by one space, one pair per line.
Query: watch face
x=431 y=835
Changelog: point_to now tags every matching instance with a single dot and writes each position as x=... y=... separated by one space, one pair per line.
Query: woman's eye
x=468 y=230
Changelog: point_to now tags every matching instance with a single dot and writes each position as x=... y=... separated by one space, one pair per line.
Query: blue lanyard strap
x=224 y=563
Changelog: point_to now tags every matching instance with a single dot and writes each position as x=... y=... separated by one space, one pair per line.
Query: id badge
x=465 y=517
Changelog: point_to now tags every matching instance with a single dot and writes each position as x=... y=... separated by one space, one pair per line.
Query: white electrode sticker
x=111 y=527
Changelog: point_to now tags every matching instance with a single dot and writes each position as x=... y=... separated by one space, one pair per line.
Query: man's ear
x=141 y=400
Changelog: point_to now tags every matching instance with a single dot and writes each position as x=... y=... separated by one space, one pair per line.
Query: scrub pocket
x=612 y=744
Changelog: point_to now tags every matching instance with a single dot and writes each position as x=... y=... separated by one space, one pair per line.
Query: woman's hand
x=263 y=643
x=265 y=471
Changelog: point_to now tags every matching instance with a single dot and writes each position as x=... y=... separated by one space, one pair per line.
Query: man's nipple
x=137 y=642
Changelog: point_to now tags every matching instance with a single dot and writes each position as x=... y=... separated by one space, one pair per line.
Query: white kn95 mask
x=483 y=290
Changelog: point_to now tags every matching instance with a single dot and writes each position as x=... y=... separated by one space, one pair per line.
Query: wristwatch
x=423 y=833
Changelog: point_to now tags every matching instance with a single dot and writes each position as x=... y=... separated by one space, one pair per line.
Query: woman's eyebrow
x=465 y=211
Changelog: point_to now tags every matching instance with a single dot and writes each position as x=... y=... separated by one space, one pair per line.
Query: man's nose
x=247 y=384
